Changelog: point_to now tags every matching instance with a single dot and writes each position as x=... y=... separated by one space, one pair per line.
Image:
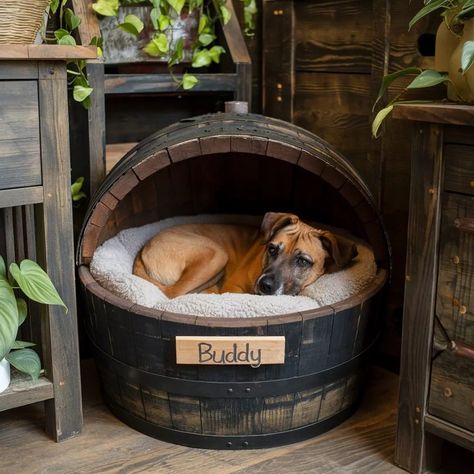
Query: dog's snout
x=266 y=285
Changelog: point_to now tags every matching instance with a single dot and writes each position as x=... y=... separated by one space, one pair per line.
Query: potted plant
x=34 y=283
x=454 y=57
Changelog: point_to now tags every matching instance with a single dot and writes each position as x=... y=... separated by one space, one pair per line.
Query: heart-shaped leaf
x=203 y=22
x=177 y=5
x=61 y=33
x=8 y=318
x=206 y=38
x=106 y=7
x=80 y=93
x=26 y=361
x=225 y=13
x=467 y=56
x=379 y=118
x=35 y=283
x=67 y=40
x=215 y=53
x=189 y=81
x=164 y=22
x=428 y=78
x=201 y=58
x=132 y=24
x=72 y=20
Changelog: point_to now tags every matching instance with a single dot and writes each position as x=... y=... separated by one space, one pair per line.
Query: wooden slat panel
x=48 y=52
x=343 y=123
x=19 y=141
x=278 y=59
x=454 y=114
x=321 y=44
x=459 y=172
x=21 y=196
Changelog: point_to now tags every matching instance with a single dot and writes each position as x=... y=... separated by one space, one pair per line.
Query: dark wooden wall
x=321 y=66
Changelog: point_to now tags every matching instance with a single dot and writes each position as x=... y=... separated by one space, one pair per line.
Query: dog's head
x=297 y=254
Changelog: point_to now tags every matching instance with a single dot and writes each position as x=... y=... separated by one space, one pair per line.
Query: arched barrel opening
x=233 y=164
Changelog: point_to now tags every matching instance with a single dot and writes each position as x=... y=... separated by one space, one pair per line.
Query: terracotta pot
x=462 y=87
x=4 y=375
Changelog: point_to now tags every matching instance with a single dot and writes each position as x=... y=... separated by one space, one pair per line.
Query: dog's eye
x=303 y=262
x=272 y=250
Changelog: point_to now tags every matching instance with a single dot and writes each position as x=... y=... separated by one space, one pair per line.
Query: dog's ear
x=273 y=222
x=342 y=251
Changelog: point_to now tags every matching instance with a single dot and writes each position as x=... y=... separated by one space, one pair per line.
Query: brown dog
x=282 y=257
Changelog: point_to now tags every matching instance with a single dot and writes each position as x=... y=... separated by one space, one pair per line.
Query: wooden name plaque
x=230 y=350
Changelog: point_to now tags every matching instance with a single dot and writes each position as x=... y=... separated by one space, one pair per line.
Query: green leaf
x=35 y=283
x=3 y=268
x=201 y=58
x=67 y=40
x=61 y=33
x=72 y=20
x=22 y=308
x=77 y=185
x=22 y=344
x=157 y=46
x=379 y=118
x=215 y=53
x=426 y=10
x=189 y=81
x=203 y=22
x=428 y=78
x=106 y=7
x=154 y=15
x=467 y=56
x=177 y=5
x=53 y=6
x=164 y=22
x=225 y=13
x=80 y=195
x=389 y=78
x=132 y=24
x=80 y=93
x=206 y=39
x=26 y=361
x=8 y=318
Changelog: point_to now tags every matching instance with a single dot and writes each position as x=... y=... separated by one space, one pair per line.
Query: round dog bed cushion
x=112 y=266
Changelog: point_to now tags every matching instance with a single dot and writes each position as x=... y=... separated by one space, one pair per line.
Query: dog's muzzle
x=268 y=285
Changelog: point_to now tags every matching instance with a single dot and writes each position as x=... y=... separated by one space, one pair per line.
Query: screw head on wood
x=456 y=260
x=462 y=309
x=229 y=444
x=471 y=183
x=248 y=389
x=245 y=444
x=230 y=390
x=447 y=392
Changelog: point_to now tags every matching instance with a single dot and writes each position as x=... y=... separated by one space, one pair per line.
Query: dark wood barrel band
x=248 y=389
x=231 y=442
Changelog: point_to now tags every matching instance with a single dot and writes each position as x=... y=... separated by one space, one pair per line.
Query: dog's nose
x=266 y=285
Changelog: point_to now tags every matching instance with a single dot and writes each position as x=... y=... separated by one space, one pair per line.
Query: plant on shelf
x=68 y=22
x=453 y=60
x=30 y=280
x=175 y=31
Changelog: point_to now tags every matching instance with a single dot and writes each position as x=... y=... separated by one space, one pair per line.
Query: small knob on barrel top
x=236 y=107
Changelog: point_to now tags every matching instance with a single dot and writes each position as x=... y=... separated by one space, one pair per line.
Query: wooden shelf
x=164 y=83
x=437 y=112
x=46 y=52
x=23 y=391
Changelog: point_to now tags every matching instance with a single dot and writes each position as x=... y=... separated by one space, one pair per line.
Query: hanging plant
x=175 y=31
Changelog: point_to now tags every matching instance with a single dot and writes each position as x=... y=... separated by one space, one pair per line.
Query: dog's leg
x=199 y=273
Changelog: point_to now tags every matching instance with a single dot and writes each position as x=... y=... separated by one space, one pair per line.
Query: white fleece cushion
x=112 y=267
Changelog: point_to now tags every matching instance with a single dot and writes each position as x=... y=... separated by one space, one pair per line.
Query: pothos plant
x=30 y=280
x=454 y=13
x=64 y=35
x=163 y=15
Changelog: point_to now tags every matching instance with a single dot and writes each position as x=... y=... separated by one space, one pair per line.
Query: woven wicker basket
x=20 y=20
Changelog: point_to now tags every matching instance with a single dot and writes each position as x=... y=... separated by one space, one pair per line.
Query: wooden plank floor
x=363 y=444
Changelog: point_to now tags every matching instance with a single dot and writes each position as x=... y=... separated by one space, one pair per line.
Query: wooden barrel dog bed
x=242 y=164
